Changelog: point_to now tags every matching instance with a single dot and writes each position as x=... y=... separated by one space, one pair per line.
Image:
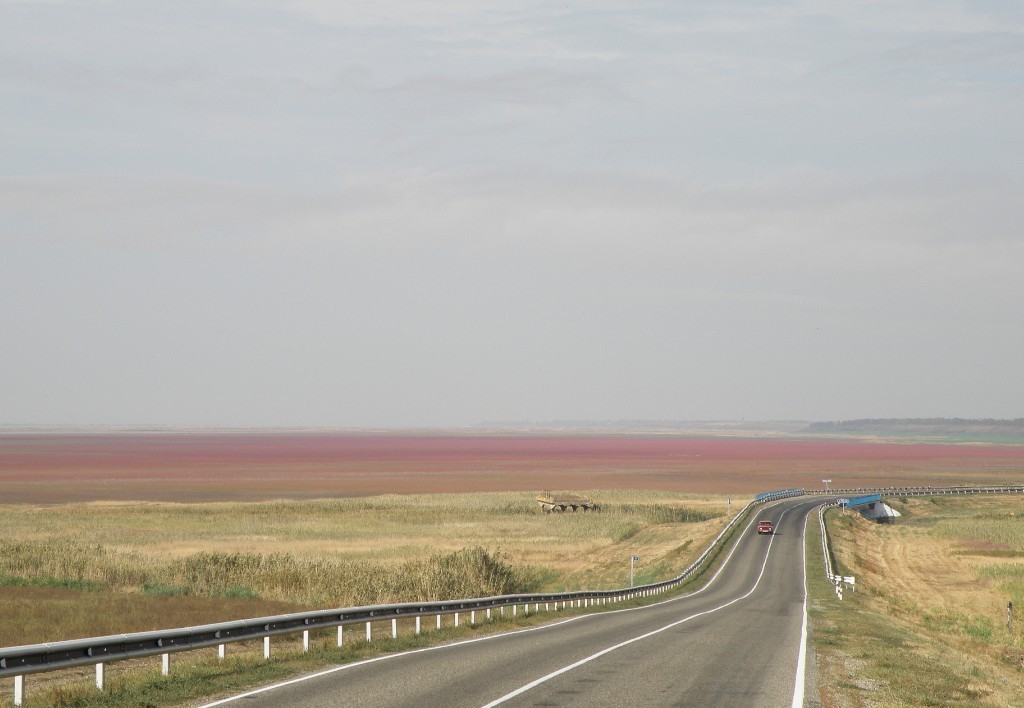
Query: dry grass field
x=99 y=568
x=928 y=622
x=105 y=534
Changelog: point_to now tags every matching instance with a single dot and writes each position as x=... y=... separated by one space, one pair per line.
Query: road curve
x=736 y=642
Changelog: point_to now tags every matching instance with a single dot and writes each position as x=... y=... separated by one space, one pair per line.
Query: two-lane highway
x=736 y=642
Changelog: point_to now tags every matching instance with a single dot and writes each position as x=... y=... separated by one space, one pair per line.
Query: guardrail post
x=394 y=628
x=576 y=600
x=305 y=640
x=99 y=676
x=19 y=690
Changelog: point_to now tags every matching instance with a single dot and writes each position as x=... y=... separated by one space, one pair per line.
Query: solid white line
x=801 y=661
x=374 y=660
x=489 y=637
x=587 y=660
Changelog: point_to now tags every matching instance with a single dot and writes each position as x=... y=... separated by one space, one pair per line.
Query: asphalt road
x=734 y=643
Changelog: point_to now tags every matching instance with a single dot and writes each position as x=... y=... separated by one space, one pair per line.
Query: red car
x=765 y=526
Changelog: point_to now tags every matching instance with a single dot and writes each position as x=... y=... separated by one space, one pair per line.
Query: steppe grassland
x=198 y=561
x=927 y=624
x=953 y=561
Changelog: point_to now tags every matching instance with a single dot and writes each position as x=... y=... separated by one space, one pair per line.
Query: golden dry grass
x=104 y=564
x=927 y=624
x=943 y=558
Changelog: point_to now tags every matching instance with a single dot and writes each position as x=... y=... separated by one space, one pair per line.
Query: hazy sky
x=408 y=213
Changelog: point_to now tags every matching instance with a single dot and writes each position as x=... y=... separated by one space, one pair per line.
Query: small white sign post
x=631 y=559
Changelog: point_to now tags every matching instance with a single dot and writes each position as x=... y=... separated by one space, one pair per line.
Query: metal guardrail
x=825 y=548
x=839 y=580
x=921 y=491
x=21 y=661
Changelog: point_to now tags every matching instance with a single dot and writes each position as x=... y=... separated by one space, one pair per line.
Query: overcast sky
x=406 y=213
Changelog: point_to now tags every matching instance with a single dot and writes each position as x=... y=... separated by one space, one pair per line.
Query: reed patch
x=295 y=555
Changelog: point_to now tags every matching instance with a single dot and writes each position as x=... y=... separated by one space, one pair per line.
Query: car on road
x=765 y=526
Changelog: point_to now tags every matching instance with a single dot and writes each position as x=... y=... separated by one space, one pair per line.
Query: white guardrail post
x=837 y=580
x=17 y=662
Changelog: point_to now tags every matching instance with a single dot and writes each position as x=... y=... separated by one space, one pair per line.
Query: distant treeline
x=983 y=429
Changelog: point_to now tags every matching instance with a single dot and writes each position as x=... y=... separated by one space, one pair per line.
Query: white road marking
x=801 y=661
x=490 y=637
x=344 y=667
x=587 y=660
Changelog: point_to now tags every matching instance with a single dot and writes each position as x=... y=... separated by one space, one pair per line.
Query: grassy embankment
x=927 y=623
x=95 y=569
